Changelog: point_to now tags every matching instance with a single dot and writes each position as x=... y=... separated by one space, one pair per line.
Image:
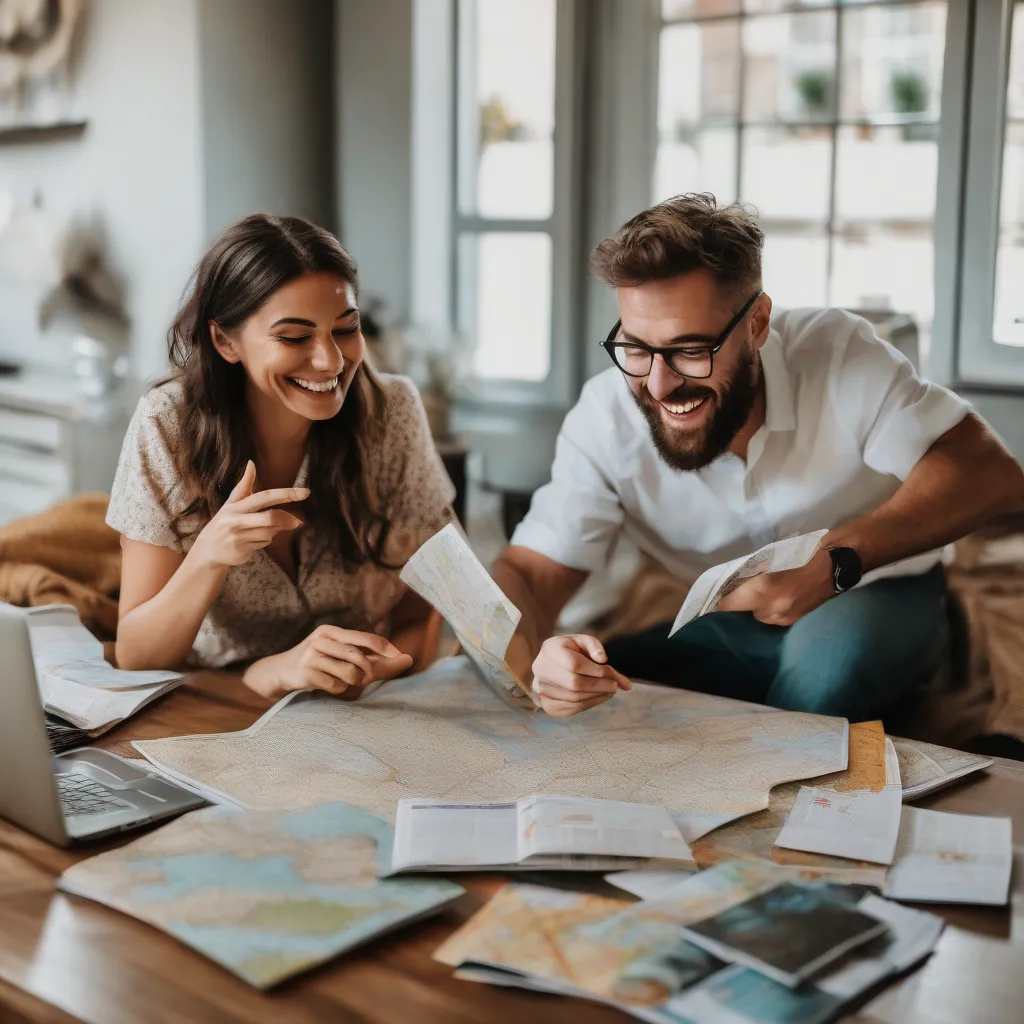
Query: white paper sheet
x=715 y=583
x=858 y=824
x=534 y=832
x=951 y=858
x=446 y=574
x=76 y=683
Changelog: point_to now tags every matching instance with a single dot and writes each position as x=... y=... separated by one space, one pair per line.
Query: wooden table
x=65 y=959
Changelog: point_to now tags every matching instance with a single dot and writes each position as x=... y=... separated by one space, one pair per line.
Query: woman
x=270 y=490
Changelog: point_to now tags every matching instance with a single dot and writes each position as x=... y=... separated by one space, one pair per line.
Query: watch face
x=846 y=569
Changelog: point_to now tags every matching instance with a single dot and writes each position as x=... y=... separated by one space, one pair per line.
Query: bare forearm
x=160 y=632
x=540 y=589
x=958 y=486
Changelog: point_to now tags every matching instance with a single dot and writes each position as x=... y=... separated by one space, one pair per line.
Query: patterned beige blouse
x=259 y=610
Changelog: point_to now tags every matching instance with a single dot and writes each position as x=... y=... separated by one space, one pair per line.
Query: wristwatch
x=846 y=569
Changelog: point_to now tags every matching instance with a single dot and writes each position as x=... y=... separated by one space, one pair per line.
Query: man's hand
x=572 y=674
x=780 y=598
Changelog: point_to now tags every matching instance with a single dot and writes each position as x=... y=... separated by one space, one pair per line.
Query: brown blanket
x=66 y=555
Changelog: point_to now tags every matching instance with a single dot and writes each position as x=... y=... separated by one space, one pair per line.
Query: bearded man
x=720 y=428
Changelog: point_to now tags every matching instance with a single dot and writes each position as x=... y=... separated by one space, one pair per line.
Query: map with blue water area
x=265 y=894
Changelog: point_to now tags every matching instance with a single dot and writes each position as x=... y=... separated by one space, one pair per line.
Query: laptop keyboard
x=81 y=795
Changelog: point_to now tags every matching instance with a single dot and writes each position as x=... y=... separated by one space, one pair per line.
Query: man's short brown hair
x=684 y=233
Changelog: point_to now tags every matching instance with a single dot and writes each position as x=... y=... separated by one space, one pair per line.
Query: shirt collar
x=778 y=390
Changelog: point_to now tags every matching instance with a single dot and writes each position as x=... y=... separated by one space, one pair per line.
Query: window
x=825 y=117
x=511 y=163
x=991 y=335
x=1008 y=318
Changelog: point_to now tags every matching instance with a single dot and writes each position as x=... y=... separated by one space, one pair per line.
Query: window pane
x=1015 y=87
x=795 y=268
x=697 y=8
x=701 y=162
x=908 y=159
x=786 y=172
x=789 y=67
x=892 y=61
x=698 y=76
x=1008 y=314
x=784 y=5
x=1008 y=325
x=507 y=94
x=884 y=269
x=505 y=282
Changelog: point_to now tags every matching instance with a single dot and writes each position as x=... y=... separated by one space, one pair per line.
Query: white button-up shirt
x=846 y=420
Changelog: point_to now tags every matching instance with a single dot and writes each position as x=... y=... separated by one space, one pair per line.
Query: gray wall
x=373 y=45
x=267 y=109
x=137 y=167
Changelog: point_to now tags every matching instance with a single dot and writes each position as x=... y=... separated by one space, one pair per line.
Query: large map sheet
x=264 y=894
x=444 y=733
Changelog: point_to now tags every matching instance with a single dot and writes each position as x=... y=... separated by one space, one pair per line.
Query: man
x=718 y=430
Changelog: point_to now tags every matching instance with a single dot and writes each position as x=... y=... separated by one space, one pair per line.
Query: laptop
x=79 y=794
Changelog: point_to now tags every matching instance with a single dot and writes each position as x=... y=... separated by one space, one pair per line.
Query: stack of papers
x=535 y=833
x=446 y=574
x=76 y=683
x=790 y=933
x=715 y=583
x=632 y=956
x=265 y=894
x=951 y=858
x=738 y=995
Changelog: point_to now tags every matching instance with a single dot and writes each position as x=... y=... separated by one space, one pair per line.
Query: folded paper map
x=446 y=574
x=76 y=683
x=445 y=734
x=264 y=894
x=716 y=582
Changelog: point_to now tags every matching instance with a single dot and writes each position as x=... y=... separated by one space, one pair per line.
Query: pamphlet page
x=715 y=583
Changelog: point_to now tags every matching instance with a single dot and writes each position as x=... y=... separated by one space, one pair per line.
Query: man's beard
x=691 y=450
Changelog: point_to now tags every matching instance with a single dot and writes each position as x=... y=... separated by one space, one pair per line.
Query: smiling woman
x=271 y=488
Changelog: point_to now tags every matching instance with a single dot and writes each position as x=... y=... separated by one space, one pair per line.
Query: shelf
x=54 y=130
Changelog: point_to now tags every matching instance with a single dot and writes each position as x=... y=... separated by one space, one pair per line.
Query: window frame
x=831 y=226
x=560 y=387
x=980 y=360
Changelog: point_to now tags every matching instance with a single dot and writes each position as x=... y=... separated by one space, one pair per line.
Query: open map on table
x=444 y=733
x=264 y=894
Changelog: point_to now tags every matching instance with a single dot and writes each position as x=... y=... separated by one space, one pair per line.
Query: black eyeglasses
x=694 y=359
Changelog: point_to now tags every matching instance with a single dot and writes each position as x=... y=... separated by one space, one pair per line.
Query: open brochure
x=446 y=574
x=76 y=683
x=715 y=583
x=536 y=832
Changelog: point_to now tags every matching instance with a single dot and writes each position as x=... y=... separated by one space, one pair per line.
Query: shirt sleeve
x=143 y=496
x=422 y=493
x=576 y=518
x=894 y=415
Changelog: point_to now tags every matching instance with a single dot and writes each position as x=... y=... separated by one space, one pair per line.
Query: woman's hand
x=340 y=661
x=245 y=523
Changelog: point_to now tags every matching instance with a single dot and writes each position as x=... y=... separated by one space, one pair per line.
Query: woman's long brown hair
x=245 y=266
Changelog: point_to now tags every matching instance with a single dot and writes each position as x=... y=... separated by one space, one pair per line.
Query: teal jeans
x=854 y=656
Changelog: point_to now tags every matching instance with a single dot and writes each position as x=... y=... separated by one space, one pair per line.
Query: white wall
x=137 y=165
x=267 y=109
x=374 y=55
